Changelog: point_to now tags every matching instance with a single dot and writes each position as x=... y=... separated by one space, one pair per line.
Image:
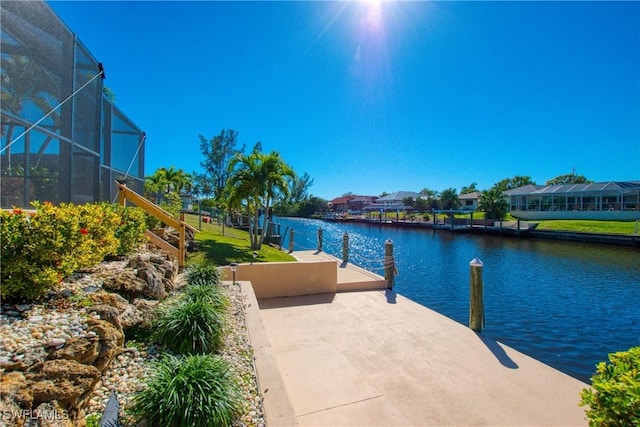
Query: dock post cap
x=476 y=263
x=388 y=241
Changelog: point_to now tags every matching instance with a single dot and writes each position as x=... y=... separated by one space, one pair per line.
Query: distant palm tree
x=432 y=198
x=170 y=177
x=449 y=199
x=473 y=187
x=153 y=185
x=493 y=203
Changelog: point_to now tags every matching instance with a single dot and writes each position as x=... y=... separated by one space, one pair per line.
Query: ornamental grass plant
x=191 y=326
x=189 y=391
x=203 y=274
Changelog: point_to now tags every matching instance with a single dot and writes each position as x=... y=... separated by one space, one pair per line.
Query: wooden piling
x=345 y=248
x=319 y=239
x=476 y=302
x=389 y=264
x=291 y=235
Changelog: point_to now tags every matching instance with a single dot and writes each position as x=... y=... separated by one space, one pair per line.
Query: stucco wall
x=280 y=279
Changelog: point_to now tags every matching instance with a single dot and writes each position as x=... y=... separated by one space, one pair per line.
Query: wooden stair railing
x=125 y=194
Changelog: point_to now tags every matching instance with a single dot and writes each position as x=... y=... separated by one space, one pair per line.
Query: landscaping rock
x=84 y=350
x=66 y=381
x=125 y=282
x=154 y=286
x=110 y=339
x=51 y=414
x=13 y=388
x=108 y=313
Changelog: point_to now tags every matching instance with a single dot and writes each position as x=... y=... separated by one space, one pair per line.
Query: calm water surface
x=566 y=304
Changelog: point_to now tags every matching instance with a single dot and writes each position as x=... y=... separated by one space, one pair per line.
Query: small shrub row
x=39 y=249
x=197 y=387
x=614 y=396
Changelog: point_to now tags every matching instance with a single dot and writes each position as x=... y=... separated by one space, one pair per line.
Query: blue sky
x=369 y=97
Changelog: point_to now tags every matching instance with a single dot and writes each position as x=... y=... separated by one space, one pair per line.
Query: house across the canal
x=614 y=201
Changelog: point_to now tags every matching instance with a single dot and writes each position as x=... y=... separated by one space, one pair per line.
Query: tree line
x=254 y=182
x=233 y=180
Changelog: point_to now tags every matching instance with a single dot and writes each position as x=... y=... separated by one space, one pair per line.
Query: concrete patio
x=375 y=358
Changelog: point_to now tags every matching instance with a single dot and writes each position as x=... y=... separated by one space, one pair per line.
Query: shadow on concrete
x=391 y=296
x=281 y=302
x=498 y=352
x=343 y=264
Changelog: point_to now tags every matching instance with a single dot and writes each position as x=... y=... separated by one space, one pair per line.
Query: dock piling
x=389 y=263
x=476 y=303
x=291 y=235
x=319 y=239
x=345 y=248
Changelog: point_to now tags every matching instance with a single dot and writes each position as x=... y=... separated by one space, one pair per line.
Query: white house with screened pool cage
x=609 y=201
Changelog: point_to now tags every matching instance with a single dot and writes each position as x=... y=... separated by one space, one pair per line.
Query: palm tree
x=153 y=185
x=493 y=203
x=431 y=198
x=183 y=181
x=473 y=187
x=257 y=179
x=170 y=177
x=449 y=199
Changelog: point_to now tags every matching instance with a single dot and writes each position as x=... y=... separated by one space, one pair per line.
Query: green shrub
x=39 y=249
x=614 y=396
x=130 y=230
x=193 y=326
x=203 y=274
x=192 y=391
x=172 y=203
x=211 y=294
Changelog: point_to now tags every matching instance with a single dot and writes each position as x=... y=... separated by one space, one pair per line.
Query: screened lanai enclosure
x=597 y=201
x=62 y=140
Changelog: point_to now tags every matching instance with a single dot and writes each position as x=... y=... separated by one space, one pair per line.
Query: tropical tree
x=154 y=185
x=431 y=198
x=218 y=153
x=409 y=201
x=473 y=187
x=515 y=182
x=493 y=203
x=449 y=199
x=570 y=178
x=257 y=179
x=299 y=188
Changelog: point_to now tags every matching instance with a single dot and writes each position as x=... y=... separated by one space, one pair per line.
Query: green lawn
x=605 y=227
x=232 y=246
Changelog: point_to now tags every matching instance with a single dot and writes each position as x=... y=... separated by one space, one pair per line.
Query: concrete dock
x=375 y=358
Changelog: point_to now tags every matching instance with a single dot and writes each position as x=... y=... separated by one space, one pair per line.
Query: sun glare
x=374 y=12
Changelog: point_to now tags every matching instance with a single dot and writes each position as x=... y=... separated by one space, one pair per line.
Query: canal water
x=566 y=304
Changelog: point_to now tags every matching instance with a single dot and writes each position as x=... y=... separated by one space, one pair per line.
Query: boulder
x=51 y=414
x=109 y=298
x=13 y=388
x=146 y=307
x=128 y=314
x=8 y=408
x=108 y=313
x=83 y=350
x=125 y=282
x=111 y=340
x=67 y=381
x=154 y=286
